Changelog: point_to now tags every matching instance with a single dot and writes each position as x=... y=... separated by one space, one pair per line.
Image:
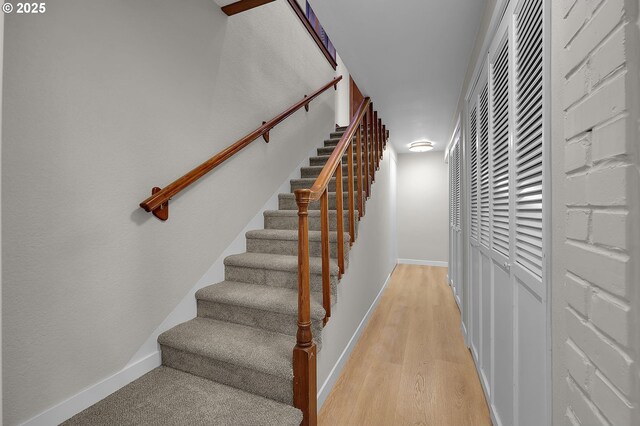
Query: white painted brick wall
x=601 y=288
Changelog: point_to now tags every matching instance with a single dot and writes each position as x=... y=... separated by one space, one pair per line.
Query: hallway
x=411 y=365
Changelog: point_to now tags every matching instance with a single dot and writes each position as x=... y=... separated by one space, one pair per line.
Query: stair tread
x=252 y=348
x=172 y=397
x=293 y=196
x=289 y=234
x=319 y=168
x=326 y=157
x=255 y=296
x=313 y=179
x=310 y=213
x=278 y=262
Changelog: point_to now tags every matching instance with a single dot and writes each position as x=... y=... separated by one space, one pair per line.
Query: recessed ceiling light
x=422 y=146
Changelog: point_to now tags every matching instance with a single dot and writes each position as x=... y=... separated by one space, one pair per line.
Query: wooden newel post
x=304 y=353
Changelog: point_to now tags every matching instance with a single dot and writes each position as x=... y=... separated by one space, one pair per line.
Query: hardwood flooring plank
x=410 y=365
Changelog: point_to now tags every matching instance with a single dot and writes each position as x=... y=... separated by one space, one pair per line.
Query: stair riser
x=322 y=160
x=335 y=141
x=275 y=278
x=330 y=146
x=291 y=222
x=332 y=184
x=289 y=203
x=269 y=386
x=290 y=248
x=271 y=321
x=332 y=143
x=337 y=134
x=329 y=151
x=308 y=172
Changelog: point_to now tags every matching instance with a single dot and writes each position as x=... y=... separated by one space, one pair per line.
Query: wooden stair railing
x=366 y=125
x=158 y=202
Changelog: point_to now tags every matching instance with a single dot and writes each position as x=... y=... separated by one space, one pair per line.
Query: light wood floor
x=411 y=366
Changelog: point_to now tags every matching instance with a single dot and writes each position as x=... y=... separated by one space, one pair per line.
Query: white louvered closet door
x=527 y=238
x=479 y=328
x=500 y=131
x=505 y=140
x=457 y=263
x=455 y=235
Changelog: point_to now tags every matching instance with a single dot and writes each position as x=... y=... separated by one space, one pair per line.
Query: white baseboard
x=465 y=336
x=328 y=384
x=495 y=420
x=89 y=396
x=458 y=302
x=424 y=262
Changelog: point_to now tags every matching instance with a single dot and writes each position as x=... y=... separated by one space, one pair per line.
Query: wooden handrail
x=157 y=203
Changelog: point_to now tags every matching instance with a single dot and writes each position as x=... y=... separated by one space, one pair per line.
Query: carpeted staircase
x=232 y=364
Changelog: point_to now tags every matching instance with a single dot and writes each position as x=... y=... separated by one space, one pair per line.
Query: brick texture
x=600 y=100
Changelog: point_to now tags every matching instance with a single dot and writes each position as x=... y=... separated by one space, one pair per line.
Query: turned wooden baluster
x=326 y=271
x=366 y=154
x=339 y=220
x=380 y=137
x=372 y=136
x=359 y=171
x=384 y=137
x=376 y=142
x=352 y=207
x=304 y=353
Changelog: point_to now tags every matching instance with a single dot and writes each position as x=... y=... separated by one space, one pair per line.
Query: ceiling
x=409 y=56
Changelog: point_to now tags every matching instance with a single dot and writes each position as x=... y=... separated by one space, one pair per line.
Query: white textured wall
x=371 y=261
x=103 y=100
x=596 y=279
x=423 y=207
